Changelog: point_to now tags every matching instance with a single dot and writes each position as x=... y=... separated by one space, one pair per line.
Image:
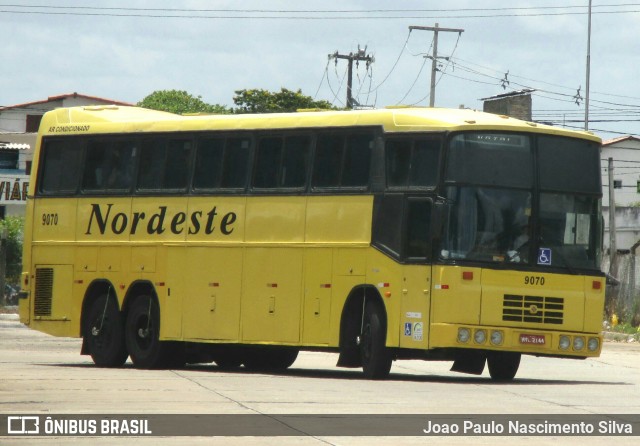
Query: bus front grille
x=536 y=309
x=44 y=292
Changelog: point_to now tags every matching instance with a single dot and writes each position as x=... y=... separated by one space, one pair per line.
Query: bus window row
x=210 y=163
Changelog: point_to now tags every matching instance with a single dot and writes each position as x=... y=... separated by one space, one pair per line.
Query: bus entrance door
x=416 y=300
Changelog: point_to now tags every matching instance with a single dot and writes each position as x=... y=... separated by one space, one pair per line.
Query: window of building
x=8 y=159
x=33 y=123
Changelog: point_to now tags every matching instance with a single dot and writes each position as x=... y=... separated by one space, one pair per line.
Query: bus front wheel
x=104 y=333
x=376 y=357
x=503 y=366
x=142 y=335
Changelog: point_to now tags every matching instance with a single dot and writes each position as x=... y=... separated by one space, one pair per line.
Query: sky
x=125 y=50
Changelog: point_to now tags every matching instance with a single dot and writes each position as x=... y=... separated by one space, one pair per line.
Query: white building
x=625 y=154
x=18 y=129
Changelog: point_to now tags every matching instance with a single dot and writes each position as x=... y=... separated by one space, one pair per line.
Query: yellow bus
x=385 y=234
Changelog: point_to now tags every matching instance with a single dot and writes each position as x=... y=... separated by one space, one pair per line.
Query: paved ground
x=46 y=375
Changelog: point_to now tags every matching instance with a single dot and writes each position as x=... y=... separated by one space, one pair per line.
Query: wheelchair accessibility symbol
x=544 y=256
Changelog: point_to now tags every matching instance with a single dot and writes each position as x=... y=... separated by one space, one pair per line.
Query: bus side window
x=177 y=165
x=425 y=162
x=268 y=162
x=357 y=161
x=61 y=167
x=295 y=162
x=418 y=225
x=152 y=159
x=412 y=163
x=327 y=164
x=236 y=163
x=121 y=162
x=108 y=166
x=209 y=159
x=398 y=160
x=95 y=173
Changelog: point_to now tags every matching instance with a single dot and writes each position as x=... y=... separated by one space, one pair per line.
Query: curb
x=618 y=337
x=9 y=317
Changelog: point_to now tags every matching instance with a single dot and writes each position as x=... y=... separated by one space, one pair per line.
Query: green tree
x=14 y=227
x=180 y=102
x=264 y=101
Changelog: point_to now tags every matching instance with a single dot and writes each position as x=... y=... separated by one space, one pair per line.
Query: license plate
x=531 y=339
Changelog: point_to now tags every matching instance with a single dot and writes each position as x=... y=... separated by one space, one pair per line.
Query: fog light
x=593 y=344
x=496 y=337
x=480 y=336
x=565 y=342
x=578 y=343
x=464 y=334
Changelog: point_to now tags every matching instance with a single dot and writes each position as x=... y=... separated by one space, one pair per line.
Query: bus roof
x=123 y=119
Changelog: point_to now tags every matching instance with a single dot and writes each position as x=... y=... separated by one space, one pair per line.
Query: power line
x=278 y=14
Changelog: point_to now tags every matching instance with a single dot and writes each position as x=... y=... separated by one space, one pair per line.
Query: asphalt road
x=45 y=375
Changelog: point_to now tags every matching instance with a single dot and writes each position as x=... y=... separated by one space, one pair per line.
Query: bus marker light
x=463 y=334
x=441 y=287
x=159 y=283
x=325 y=285
x=214 y=284
x=383 y=285
x=272 y=285
x=387 y=294
x=122 y=286
x=480 y=336
x=596 y=285
x=78 y=281
x=467 y=275
x=496 y=337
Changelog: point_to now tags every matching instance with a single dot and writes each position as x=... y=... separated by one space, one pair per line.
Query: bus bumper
x=522 y=340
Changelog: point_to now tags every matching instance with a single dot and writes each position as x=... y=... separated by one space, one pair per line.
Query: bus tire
x=376 y=357
x=503 y=366
x=142 y=335
x=104 y=333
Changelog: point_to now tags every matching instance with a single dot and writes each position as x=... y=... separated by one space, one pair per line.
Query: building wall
x=516 y=106
x=626 y=169
x=13 y=126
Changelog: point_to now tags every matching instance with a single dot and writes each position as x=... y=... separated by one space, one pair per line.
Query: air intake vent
x=44 y=292
x=536 y=309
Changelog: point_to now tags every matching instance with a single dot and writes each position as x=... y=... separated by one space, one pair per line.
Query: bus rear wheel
x=104 y=333
x=503 y=366
x=142 y=335
x=376 y=357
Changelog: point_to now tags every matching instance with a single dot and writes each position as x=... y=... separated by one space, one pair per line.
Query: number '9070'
x=49 y=219
x=533 y=280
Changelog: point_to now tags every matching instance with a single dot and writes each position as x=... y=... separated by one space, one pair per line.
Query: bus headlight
x=565 y=342
x=593 y=344
x=496 y=337
x=480 y=336
x=464 y=334
x=578 y=343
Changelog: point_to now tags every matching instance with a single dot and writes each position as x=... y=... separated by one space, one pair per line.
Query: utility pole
x=361 y=55
x=434 y=59
x=613 y=270
x=586 y=101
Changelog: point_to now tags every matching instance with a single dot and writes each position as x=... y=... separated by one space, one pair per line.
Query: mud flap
x=470 y=361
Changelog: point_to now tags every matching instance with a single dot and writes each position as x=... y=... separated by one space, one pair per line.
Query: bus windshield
x=498 y=213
